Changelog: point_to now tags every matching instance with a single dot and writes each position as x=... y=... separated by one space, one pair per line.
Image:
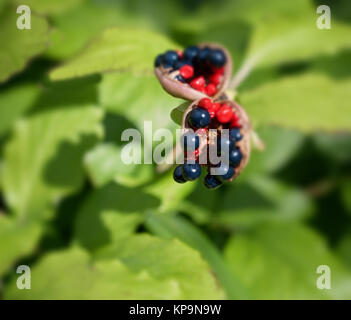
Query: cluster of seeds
x=206 y=115
x=201 y=68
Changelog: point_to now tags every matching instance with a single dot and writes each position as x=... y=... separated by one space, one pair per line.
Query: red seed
x=224 y=114
x=205 y=103
x=235 y=123
x=180 y=54
x=186 y=71
x=216 y=78
x=216 y=106
x=218 y=70
x=198 y=83
x=211 y=89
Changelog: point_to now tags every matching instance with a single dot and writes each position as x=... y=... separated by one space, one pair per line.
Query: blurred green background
x=90 y=226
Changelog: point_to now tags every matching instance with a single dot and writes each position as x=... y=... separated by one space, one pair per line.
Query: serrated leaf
x=111 y=213
x=116 y=49
x=167 y=259
x=43 y=159
x=259 y=199
x=85 y=279
x=170 y=226
x=307 y=102
x=279 y=261
x=19 y=46
x=14 y=102
x=17 y=239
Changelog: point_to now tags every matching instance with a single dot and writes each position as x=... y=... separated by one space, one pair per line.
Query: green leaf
x=14 y=102
x=175 y=194
x=306 y=102
x=48 y=7
x=110 y=214
x=281 y=145
x=43 y=159
x=104 y=164
x=170 y=226
x=279 y=261
x=17 y=239
x=138 y=99
x=167 y=259
x=116 y=49
x=19 y=46
x=259 y=199
x=85 y=279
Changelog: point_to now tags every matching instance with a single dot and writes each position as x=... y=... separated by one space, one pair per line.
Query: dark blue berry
x=178 y=174
x=225 y=144
x=178 y=64
x=191 y=141
x=225 y=172
x=235 y=157
x=217 y=58
x=212 y=182
x=170 y=58
x=203 y=54
x=191 y=52
x=179 y=78
x=188 y=62
x=191 y=171
x=158 y=60
x=235 y=134
x=199 y=118
x=166 y=65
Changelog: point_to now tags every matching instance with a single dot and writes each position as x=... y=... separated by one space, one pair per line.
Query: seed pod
x=243 y=125
x=216 y=78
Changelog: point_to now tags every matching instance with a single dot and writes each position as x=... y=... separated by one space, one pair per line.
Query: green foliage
x=72 y=210
x=19 y=46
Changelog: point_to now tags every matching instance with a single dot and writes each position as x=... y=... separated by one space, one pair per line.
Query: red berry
x=211 y=89
x=218 y=70
x=216 y=106
x=212 y=113
x=179 y=53
x=198 y=83
x=216 y=78
x=186 y=71
x=235 y=123
x=205 y=103
x=224 y=114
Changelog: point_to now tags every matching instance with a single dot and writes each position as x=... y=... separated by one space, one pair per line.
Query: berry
x=225 y=144
x=217 y=58
x=158 y=60
x=218 y=70
x=203 y=54
x=191 y=52
x=191 y=171
x=178 y=174
x=216 y=78
x=186 y=71
x=191 y=141
x=170 y=57
x=199 y=118
x=198 y=83
x=235 y=157
x=179 y=78
x=178 y=64
x=205 y=103
x=212 y=182
x=235 y=134
x=224 y=114
x=211 y=89
x=227 y=172
x=235 y=123
x=216 y=106
x=179 y=53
